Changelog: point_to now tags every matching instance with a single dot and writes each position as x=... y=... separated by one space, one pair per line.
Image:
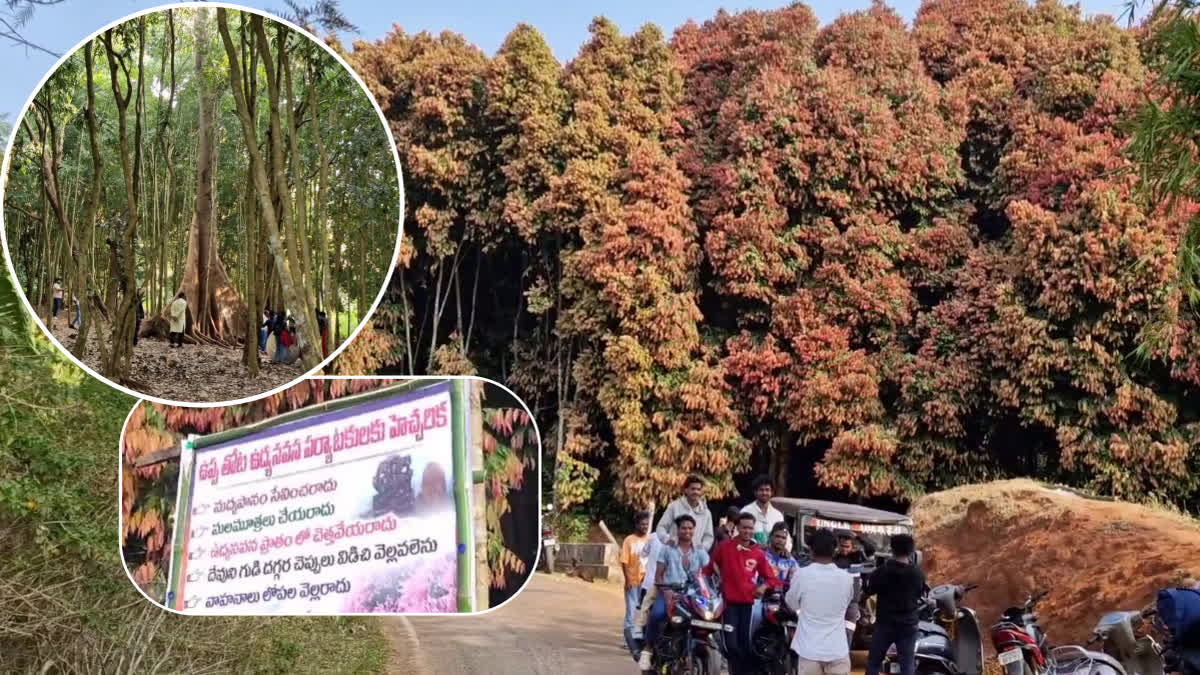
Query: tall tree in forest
x=273 y=190
x=218 y=312
x=116 y=45
x=525 y=113
x=647 y=385
x=86 y=285
x=49 y=139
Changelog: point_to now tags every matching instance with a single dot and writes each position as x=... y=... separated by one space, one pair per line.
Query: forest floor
x=1015 y=537
x=194 y=373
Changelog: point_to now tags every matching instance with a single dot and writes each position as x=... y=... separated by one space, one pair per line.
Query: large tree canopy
x=866 y=257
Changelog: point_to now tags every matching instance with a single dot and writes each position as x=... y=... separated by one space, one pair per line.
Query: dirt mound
x=1014 y=537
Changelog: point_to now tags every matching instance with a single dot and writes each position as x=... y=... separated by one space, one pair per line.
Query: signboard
x=362 y=509
x=866 y=528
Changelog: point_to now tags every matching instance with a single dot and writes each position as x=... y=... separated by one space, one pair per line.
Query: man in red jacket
x=742 y=564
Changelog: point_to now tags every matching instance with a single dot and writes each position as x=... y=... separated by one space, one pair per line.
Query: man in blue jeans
x=678 y=562
x=635 y=571
x=898 y=586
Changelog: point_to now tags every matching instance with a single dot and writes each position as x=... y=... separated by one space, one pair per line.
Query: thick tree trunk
x=217 y=309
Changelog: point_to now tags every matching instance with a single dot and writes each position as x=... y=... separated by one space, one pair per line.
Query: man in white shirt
x=692 y=503
x=765 y=515
x=820 y=594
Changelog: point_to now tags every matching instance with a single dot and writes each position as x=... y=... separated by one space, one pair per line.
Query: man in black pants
x=899 y=586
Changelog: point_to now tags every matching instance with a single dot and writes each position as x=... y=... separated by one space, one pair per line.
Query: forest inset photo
x=202 y=204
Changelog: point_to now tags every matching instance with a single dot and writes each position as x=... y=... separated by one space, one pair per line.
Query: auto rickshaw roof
x=852 y=513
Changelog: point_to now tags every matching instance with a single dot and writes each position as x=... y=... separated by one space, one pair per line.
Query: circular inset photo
x=201 y=204
x=336 y=496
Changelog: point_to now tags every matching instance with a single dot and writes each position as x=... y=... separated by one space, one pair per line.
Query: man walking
x=692 y=503
x=634 y=570
x=820 y=593
x=741 y=561
x=898 y=586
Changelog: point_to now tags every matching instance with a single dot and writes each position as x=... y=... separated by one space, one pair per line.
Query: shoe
x=644 y=661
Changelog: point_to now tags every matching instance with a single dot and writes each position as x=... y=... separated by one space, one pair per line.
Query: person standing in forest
x=178 y=314
x=78 y=313
x=742 y=563
x=141 y=314
x=765 y=515
x=323 y=326
x=286 y=337
x=264 y=327
x=898 y=586
x=58 y=296
x=277 y=328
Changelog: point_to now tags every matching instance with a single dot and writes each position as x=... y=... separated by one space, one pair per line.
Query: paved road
x=555 y=625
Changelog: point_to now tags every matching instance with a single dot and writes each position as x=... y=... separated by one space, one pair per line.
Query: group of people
x=277 y=335
x=751 y=550
x=141 y=311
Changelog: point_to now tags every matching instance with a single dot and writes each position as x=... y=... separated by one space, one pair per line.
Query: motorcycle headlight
x=708 y=615
x=677 y=619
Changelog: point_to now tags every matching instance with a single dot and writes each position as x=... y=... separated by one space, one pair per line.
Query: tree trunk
x=217 y=309
x=309 y=341
x=87 y=292
x=122 y=249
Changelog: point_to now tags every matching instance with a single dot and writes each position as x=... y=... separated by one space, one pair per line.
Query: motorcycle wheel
x=708 y=662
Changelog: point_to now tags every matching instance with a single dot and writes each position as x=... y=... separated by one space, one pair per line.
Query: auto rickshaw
x=806 y=516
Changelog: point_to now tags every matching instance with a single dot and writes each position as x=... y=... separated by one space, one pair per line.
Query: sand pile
x=1014 y=537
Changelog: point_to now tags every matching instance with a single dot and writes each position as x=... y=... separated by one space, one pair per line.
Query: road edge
x=405 y=656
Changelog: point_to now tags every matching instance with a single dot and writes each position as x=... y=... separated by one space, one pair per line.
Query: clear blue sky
x=486 y=23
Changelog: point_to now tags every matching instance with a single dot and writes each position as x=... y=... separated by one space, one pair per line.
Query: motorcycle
x=1020 y=641
x=773 y=639
x=692 y=637
x=1123 y=653
x=949 y=640
x=1136 y=655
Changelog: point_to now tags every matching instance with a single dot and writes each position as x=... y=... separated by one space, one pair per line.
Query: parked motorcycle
x=1116 y=632
x=773 y=639
x=1019 y=641
x=949 y=639
x=1123 y=652
x=692 y=637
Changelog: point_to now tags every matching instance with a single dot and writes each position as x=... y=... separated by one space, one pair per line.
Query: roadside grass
x=66 y=604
